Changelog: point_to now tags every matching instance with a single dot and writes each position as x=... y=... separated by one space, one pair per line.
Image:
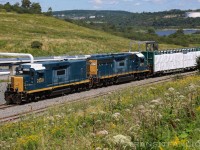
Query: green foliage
x=26 y=7
x=161 y=116
x=36 y=44
x=36 y=8
x=3 y=43
x=49 y=12
x=137 y=26
x=122 y=19
x=26 y=4
x=151 y=31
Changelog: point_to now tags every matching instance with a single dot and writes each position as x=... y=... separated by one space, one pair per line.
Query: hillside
x=17 y=31
x=120 y=19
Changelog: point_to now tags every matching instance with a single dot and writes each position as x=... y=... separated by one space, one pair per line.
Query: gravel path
x=59 y=100
x=3 y=86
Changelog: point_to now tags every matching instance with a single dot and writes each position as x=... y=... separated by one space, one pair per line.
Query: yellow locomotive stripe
x=55 y=87
x=39 y=90
x=115 y=75
x=76 y=83
x=85 y=81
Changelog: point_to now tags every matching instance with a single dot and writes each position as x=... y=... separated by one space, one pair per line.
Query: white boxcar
x=162 y=61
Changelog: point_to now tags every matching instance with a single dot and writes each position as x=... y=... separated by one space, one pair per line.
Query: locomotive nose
x=17 y=84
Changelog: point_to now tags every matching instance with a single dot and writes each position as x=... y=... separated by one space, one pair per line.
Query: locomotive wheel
x=9 y=101
x=18 y=100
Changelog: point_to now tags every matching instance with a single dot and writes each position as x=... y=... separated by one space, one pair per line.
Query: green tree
x=36 y=8
x=16 y=7
x=180 y=32
x=49 y=12
x=151 y=31
x=26 y=4
x=8 y=7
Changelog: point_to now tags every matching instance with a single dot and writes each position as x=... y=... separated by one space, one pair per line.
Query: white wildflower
x=152 y=88
x=50 y=118
x=156 y=102
x=152 y=106
x=124 y=141
x=98 y=122
x=182 y=97
x=70 y=110
x=116 y=115
x=159 y=116
x=171 y=89
x=166 y=94
x=58 y=116
x=192 y=87
x=102 y=112
x=128 y=110
x=102 y=133
x=141 y=107
x=177 y=120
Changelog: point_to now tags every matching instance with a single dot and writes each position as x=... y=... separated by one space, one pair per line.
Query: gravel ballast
x=71 y=97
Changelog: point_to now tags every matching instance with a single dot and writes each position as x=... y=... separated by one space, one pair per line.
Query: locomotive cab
x=32 y=74
x=27 y=77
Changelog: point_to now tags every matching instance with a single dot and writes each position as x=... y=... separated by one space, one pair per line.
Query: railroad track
x=4 y=106
x=16 y=117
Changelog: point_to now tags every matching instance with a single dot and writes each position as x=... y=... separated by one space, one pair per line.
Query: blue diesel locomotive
x=42 y=80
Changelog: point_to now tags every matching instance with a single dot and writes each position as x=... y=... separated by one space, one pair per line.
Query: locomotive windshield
x=22 y=71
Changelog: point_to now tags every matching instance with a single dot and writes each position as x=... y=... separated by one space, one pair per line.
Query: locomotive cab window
x=60 y=72
x=142 y=59
x=40 y=75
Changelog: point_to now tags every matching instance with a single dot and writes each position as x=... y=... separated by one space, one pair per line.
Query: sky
x=126 y=5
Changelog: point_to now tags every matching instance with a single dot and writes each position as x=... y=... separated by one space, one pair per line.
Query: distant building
x=77 y=18
x=192 y=14
x=171 y=16
x=92 y=17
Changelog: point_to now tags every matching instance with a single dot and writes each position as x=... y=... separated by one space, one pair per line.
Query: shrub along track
x=15 y=112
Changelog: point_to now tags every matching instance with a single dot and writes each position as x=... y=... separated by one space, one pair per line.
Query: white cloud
x=128 y=0
x=98 y=2
x=137 y=4
x=102 y=2
x=154 y=1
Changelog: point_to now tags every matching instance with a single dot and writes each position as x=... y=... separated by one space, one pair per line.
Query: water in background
x=166 y=32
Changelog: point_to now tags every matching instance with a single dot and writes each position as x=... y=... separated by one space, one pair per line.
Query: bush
x=36 y=44
x=198 y=63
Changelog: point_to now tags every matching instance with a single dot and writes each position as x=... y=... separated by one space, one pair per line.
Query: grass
x=162 y=116
x=18 y=31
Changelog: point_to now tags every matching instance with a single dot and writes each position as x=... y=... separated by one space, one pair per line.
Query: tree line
x=26 y=6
